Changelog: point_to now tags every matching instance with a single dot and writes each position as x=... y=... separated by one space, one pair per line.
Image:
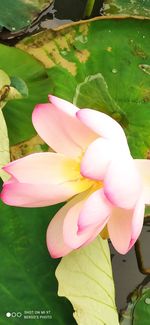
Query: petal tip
x=3 y=195
x=51 y=98
x=56 y=101
x=5 y=168
x=80 y=226
x=51 y=249
x=78 y=113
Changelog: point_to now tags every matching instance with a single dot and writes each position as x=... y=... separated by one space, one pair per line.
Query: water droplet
x=114 y=70
x=144 y=36
x=109 y=31
x=147 y=301
x=13 y=28
x=131 y=40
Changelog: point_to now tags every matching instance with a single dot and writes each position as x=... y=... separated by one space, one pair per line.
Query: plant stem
x=89 y=8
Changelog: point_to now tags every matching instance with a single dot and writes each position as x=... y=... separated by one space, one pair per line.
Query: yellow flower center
x=72 y=170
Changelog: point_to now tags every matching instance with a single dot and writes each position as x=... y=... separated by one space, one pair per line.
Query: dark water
x=133 y=269
x=74 y=9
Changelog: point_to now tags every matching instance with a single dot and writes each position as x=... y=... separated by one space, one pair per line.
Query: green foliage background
x=115 y=53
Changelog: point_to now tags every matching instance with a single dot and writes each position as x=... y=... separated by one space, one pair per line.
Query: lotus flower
x=92 y=167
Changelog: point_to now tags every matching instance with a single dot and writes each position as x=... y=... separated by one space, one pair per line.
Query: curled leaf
x=85 y=278
x=4 y=146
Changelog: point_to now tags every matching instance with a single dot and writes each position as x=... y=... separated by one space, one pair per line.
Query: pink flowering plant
x=91 y=169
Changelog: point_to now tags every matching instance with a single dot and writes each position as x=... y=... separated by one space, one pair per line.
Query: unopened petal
x=54 y=237
x=74 y=235
x=95 y=210
x=143 y=166
x=62 y=234
x=122 y=184
x=63 y=105
x=97 y=157
x=103 y=125
x=59 y=127
x=124 y=226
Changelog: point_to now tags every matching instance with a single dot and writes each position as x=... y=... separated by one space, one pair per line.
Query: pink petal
x=124 y=226
x=62 y=233
x=103 y=125
x=73 y=235
x=63 y=105
x=54 y=237
x=143 y=166
x=38 y=195
x=122 y=184
x=95 y=210
x=44 y=168
x=59 y=127
x=97 y=158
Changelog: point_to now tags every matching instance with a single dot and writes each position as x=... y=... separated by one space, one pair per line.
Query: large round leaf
x=105 y=65
x=19 y=14
x=93 y=303
x=20 y=65
x=27 y=272
x=127 y=7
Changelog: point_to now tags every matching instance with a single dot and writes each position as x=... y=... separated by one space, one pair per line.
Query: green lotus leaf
x=138 y=308
x=127 y=7
x=119 y=54
x=18 y=14
x=103 y=100
x=27 y=272
x=85 y=278
x=30 y=81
